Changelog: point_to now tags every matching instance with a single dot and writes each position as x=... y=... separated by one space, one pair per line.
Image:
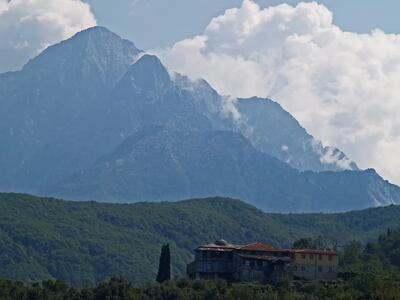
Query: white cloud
x=28 y=26
x=342 y=86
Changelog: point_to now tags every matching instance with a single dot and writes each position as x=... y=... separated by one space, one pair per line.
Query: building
x=315 y=264
x=261 y=263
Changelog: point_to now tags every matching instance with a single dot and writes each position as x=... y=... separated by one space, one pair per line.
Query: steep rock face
x=146 y=95
x=269 y=127
x=46 y=104
x=273 y=130
x=158 y=163
x=79 y=99
x=207 y=101
x=90 y=62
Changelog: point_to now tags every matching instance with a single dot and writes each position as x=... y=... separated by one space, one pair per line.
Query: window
x=259 y=263
x=209 y=267
x=311 y=256
x=247 y=263
x=294 y=268
x=330 y=257
x=319 y=269
x=303 y=268
x=264 y=263
x=320 y=256
x=330 y=270
x=303 y=256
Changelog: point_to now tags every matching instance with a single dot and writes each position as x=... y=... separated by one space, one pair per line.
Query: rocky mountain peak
x=148 y=73
x=95 y=54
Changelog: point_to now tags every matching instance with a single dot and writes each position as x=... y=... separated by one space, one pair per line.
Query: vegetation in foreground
x=370 y=272
x=183 y=289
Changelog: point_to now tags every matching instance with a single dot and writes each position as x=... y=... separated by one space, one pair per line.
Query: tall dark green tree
x=164 y=266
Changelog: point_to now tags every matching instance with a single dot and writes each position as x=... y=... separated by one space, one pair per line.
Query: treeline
x=183 y=289
x=370 y=272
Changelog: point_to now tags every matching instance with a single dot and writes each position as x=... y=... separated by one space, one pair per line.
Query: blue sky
x=158 y=23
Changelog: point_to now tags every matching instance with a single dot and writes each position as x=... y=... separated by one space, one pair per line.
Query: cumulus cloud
x=343 y=87
x=29 y=26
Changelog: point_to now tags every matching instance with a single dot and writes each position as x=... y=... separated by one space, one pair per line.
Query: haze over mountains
x=94 y=118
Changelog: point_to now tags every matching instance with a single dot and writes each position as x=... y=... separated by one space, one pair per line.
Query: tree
x=352 y=253
x=164 y=266
x=304 y=243
x=321 y=243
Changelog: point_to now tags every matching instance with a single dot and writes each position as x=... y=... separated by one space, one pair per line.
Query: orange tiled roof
x=257 y=247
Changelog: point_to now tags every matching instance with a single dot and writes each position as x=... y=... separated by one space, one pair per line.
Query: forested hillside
x=86 y=242
x=366 y=272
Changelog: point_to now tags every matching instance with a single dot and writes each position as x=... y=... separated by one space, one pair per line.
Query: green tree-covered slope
x=366 y=272
x=85 y=242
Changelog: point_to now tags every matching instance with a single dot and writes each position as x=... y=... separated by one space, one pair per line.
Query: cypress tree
x=164 y=266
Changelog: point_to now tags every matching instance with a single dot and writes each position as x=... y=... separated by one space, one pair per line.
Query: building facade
x=315 y=264
x=258 y=262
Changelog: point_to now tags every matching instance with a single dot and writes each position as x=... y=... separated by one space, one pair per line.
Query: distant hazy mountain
x=48 y=110
x=70 y=111
x=270 y=128
x=159 y=163
x=273 y=130
x=77 y=101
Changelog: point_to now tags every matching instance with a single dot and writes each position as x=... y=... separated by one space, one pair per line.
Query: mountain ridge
x=167 y=164
x=316 y=156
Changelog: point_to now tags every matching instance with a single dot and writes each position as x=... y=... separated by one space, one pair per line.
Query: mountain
x=269 y=127
x=274 y=131
x=147 y=96
x=159 y=163
x=86 y=242
x=46 y=107
x=79 y=99
x=82 y=102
